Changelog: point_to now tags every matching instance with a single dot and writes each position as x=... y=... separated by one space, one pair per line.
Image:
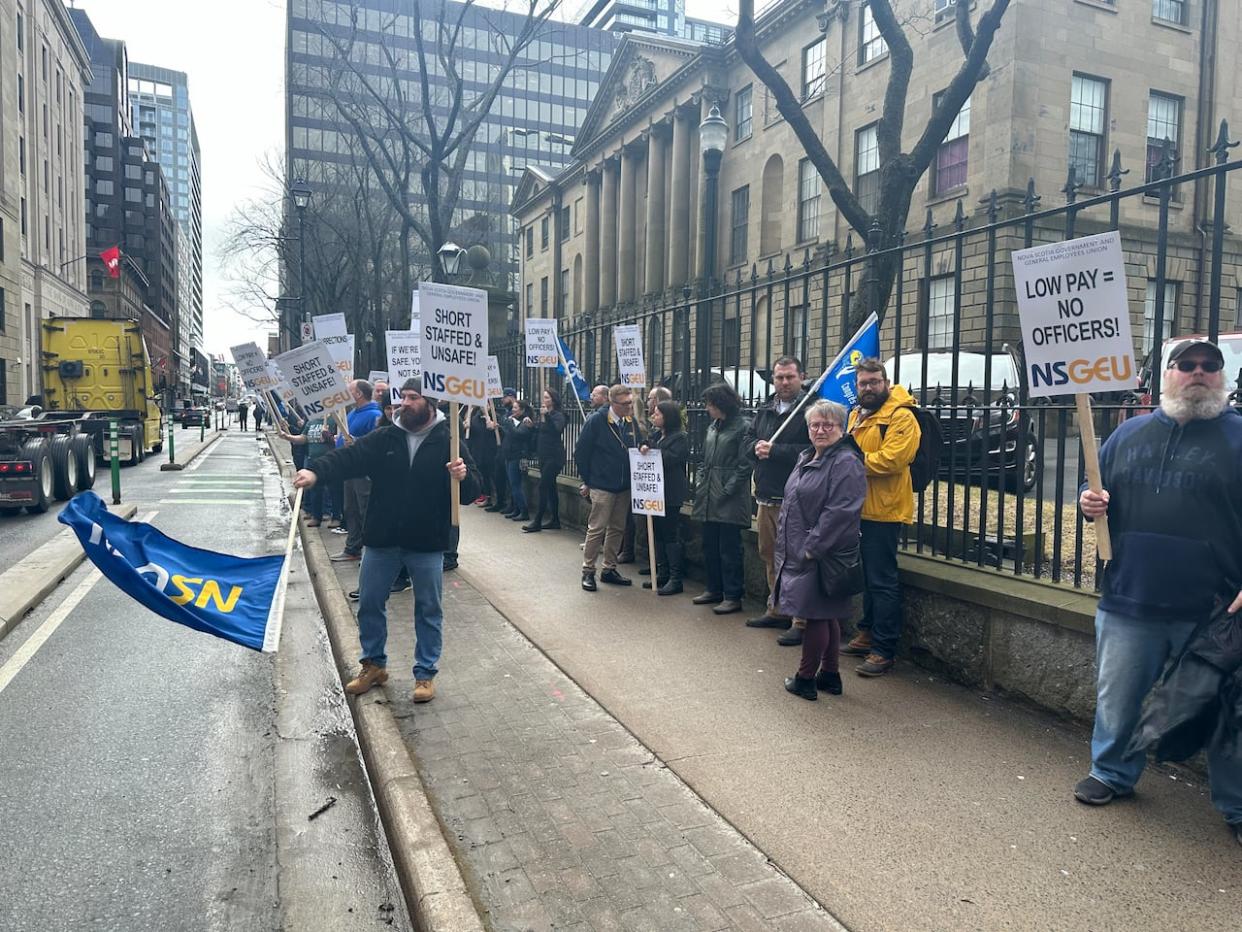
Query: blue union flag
x=235 y=598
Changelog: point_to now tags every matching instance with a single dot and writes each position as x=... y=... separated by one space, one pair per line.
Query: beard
x=873 y=401
x=417 y=417
x=1194 y=402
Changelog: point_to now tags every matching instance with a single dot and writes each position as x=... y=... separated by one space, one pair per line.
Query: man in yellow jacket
x=886 y=430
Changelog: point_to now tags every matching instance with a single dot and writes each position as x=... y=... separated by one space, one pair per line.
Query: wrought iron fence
x=1006 y=493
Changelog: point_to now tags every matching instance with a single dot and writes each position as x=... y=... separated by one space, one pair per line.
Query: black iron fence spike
x=1115 y=172
x=1222 y=145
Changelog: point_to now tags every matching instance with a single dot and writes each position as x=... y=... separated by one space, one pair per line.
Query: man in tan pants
x=602 y=455
x=773 y=462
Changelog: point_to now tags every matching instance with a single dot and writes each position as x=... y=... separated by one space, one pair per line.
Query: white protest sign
x=541 y=349
x=647 y=483
x=317 y=383
x=453 y=330
x=279 y=382
x=376 y=375
x=414 y=312
x=251 y=365
x=330 y=330
x=1075 y=317
x=402 y=358
x=495 y=388
x=628 y=340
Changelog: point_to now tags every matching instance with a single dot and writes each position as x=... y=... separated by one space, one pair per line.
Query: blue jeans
x=1130 y=656
x=882 y=597
x=513 y=469
x=380 y=566
x=722 y=552
x=312 y=501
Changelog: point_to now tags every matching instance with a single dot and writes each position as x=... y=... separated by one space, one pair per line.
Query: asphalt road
x=153 y=777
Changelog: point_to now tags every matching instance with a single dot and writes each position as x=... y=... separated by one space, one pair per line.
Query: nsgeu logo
x=436 y=383
x=1081 y=371
x=230 y=597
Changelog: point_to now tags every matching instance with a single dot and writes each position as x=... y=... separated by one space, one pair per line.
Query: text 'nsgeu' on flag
x=235 y=598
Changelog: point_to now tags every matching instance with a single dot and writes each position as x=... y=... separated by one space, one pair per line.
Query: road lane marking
x=206 y=501
x=26 y=652
x=202 y=458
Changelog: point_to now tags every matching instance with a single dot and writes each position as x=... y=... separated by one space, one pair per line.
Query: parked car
x=193 y=417
x=981 y=423
x=751 y=384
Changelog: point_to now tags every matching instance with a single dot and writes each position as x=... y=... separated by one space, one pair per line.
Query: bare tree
x=416 y=116
x=899 y=171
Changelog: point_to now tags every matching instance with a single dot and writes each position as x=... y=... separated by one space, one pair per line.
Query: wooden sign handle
x=651 y=552
x=454 y=453
x=1091 y=460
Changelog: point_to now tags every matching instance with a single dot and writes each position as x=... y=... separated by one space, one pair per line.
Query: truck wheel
x=64 y=468
x=84 y=451
x=36 y=451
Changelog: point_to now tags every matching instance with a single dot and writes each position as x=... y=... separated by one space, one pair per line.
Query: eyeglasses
x=822 y=426
x=1190 y=365
x=870 y=383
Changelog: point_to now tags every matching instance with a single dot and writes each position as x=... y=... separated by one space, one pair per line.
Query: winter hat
x=413 y=384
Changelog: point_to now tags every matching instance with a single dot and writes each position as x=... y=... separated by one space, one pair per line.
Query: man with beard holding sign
x=410 y=471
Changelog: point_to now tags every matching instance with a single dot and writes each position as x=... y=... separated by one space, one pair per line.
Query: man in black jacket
x=603 y=458
x=773 y=462
x=410 y=471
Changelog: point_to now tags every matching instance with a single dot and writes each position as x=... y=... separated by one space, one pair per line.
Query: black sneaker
x=800 y=687
x=352 y=596
x=613 y=578
x=769 y=621
x=450 y=565
x=588 y=581
x=791 y=638
x=1095 y=792
x=829 y=682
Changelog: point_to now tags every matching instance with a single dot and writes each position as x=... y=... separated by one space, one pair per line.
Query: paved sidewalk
x=558 y=816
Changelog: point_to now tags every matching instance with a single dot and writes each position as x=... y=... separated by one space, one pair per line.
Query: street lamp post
x=713 y=135
x=301 y=194
x=450 y=258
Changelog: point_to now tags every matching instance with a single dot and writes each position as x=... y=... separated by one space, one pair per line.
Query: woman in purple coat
x=818 y=523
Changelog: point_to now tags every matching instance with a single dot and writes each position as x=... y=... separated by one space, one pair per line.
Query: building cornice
x=69 y=32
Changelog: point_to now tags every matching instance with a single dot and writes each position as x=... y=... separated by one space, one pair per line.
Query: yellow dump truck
x=95 y=371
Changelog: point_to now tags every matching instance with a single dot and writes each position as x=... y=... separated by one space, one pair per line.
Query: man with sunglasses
x=1172 y=491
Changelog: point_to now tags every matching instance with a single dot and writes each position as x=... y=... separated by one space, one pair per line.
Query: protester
x=334 y=492
x=243 y=413
x=409 y=464
x=603 y=460
x=483 y=447
x=361 y=421
x=1174 y=507
x=886 y=430
x=312 y=441
x=773 y=463
x=550 y=449
x=673 y=443
x=821 y=507
x=722 y=499
x=500 y=476
x=516 y=433
x=655 y=397
x=297 y=427
x=381 y=394
x=599 y=397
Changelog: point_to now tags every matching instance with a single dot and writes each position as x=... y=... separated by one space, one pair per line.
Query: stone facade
x=626 y=223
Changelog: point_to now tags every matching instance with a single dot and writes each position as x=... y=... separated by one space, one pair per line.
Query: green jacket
x=722 y=492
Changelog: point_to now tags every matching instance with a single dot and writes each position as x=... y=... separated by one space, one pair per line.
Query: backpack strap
x=884 y=427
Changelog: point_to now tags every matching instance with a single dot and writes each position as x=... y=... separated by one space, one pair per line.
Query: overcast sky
x=233 y=52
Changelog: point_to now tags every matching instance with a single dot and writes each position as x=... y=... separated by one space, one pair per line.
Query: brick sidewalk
x=559 y=817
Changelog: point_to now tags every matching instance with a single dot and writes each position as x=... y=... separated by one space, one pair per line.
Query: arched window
x=772 y=206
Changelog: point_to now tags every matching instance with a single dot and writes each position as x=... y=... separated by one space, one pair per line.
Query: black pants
x=500 y=481
x=668 y=529
x=549 y=501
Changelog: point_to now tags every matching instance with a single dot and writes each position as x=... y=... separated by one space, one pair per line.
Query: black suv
x=983 y=433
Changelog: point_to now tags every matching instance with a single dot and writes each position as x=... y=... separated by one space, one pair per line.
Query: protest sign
x=646 y=483
x=251 y=365
x=402 y=358
x=330 y=331
x=1075 y=316
x=317 y=383
x=628 y=340
x=377 y=375
x=453 y=335
x=1076 y=331
x=541 y=349
x=495 y=388
x=414 y=311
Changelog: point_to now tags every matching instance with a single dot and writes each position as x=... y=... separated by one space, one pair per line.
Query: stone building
x=42 y=212
x=619 y=233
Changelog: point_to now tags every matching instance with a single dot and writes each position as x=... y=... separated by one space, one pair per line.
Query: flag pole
x=814 y=389
x=271 y=636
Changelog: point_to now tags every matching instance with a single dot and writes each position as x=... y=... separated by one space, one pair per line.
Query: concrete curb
x=31 y=580
x=435 y=891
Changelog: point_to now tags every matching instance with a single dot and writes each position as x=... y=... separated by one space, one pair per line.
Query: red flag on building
x=112 y=259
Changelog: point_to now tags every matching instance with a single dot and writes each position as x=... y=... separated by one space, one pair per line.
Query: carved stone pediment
x=639 y=78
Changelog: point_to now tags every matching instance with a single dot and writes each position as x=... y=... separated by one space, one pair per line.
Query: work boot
x=860 y=645
x=769 y=621
x=791 y=638
x=588 y=580
x=875 y=665
x=804 y=688
x=521 y=516
x=707 y=598
x=533 y=528
x=424 y=690
x=612 y=577
x=829 y=682
x=369 y=675
x=674 y=556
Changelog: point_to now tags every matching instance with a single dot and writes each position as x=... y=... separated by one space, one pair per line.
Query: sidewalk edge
x=53 y=561
x=435 y=891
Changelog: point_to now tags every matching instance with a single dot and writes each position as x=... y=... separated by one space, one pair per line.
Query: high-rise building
x=532 y=121
x=162 y=116
x=661 y=17
x=127 y=206
x=42 y=240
